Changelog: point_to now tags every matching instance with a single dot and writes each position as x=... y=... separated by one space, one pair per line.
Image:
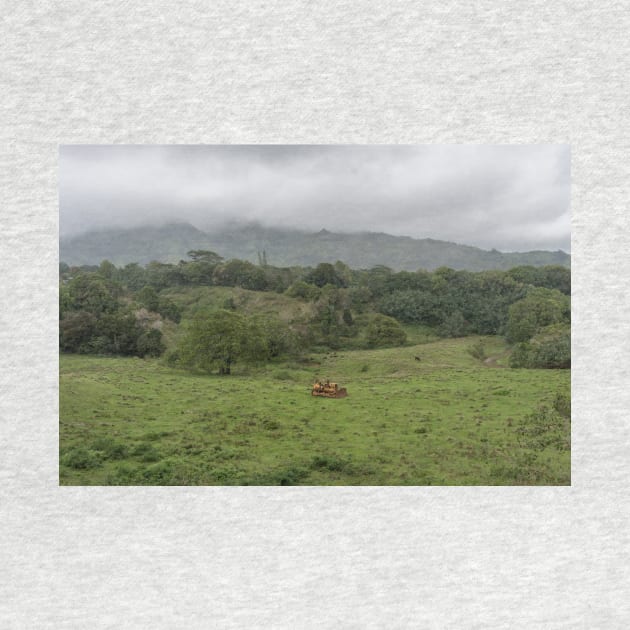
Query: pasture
x=425 y=414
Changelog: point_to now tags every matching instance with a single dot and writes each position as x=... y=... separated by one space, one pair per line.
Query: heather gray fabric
x=326 y=72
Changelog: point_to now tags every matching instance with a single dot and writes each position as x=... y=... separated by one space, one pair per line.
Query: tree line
x=106 y=309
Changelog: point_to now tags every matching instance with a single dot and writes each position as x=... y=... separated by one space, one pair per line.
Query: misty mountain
x=287 y=247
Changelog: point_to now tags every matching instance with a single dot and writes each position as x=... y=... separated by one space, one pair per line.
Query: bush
x=109 y=448
x=160 y=474
x=412 y=307
x=75 y=330
x=453 y=326
x=168 y=309
x=543 y=428
x=81 y=459
x=288 y=476
x=520 y=356
x=171 y=357
x=539 y=309
x=304 y=290
x=562 y=404
x=332 y=463
x=150 y=343
x=384 y=331
x=146 y=452
x=477 y=350
x=550 y=349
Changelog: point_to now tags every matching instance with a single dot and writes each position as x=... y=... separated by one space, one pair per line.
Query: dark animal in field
x=417 y=358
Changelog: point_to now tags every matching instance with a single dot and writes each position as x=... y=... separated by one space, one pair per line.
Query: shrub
x=159 y=474
x=562 y=404
x=384 y=331
x=288 y=476
x=454 y=325
x=520 y=356
x=540 y=308
x=146 y=452
x=550 y=348
x=171 y=357
x=477 y=350
x=109 y=448
x=333 y=463
x=150 y=343
x=545 y=427
x=81 y=459
x=304 y=290
x=412 y=306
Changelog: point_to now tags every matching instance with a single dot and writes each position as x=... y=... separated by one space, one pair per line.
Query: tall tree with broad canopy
x=217 y=340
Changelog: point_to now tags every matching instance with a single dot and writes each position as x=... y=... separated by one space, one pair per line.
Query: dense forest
x=110 y=310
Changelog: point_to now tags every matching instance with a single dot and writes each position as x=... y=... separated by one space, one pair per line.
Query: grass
x=425 y=414
x=194 y=299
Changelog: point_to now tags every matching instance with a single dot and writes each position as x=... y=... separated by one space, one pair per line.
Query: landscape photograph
x=316 y=315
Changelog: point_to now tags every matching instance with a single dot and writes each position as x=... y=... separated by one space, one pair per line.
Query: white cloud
x=507 y=197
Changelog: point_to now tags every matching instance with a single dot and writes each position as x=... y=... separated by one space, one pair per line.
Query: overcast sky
x=510 y=197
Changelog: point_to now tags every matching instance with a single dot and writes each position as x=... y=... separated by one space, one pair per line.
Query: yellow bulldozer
x=328 y=389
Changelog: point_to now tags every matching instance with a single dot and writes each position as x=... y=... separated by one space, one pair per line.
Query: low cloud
x=511 y=198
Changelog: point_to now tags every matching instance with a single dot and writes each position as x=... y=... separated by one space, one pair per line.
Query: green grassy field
x=445 y=419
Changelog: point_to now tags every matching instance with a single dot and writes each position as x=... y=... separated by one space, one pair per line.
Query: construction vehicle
x=328 y=389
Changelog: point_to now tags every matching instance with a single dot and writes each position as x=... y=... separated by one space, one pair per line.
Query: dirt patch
x=491 y=362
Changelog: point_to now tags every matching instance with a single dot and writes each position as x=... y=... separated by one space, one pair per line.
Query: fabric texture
x=325 y=72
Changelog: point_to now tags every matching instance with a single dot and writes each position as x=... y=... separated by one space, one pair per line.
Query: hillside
x=285 y=247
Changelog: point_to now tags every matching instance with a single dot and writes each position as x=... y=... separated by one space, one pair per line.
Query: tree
x=217 y=340
x=324 y=274
x=65 y=301
x=549 y=348
x=526 y=274
x=118 y=334
x=107 y=270
x=278 y=336
x=205 y=255
x=301 y=289
x=150 y=344
x=75 y=331
x=541 y=307
x=90 y=292
x=167 y=308
x=240 y=273
x=454 y=325
x=359 y=298
x=162 y=275
x=149 y=298
x=412 y=306
x=327 y=312
x=133 y=276
x=557 y=277
x=405 y=280
x=375 y=279
x=384 y=331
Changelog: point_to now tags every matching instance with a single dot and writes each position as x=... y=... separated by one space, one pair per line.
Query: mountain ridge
x=291 y=247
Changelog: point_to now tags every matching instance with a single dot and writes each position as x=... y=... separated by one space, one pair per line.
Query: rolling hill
x=284 y=248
